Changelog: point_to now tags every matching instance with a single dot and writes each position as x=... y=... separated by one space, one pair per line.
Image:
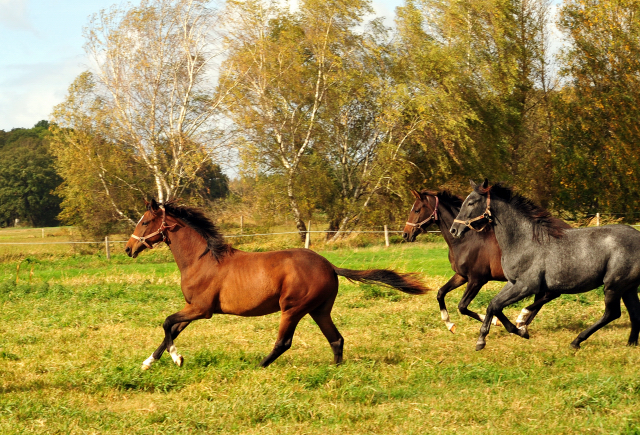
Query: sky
x=41 y=52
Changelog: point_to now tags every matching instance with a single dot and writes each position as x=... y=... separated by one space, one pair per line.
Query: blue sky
x=41 y=53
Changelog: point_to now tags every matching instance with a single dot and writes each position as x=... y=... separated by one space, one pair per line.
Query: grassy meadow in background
x=75 y=328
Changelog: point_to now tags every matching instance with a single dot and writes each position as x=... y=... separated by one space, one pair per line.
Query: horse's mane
x=543 y=222
x=201 y=224
x=446 y=198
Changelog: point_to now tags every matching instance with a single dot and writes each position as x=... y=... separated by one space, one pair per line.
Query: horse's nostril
x=453 y=231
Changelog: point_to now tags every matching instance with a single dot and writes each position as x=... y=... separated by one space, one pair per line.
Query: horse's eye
x=145 y=223
x=417 y=211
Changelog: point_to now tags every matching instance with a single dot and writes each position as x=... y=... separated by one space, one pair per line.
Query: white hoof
x=175 y=356
x=495 y=321
x=451 y=327
x=146 y=365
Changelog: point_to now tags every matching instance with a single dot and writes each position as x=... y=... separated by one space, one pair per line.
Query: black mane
x=201 y=224
x=543 y=221
x=447 y=198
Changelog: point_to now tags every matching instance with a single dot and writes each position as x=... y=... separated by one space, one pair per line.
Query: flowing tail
x=405 y=282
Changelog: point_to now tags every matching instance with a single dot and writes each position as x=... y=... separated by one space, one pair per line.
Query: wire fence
x=230 y=236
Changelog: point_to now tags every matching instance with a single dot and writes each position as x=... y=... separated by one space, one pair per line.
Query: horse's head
x=423 y=213
x=474 y=213
x=149 y=231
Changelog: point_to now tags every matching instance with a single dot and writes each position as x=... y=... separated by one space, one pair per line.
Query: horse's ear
x=154 y=205
x=485 y=184
x=415 y=194
x=146 y=204
x=473 y=184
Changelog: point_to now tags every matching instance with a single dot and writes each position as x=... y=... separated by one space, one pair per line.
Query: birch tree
x=291 y=61
x=153 y=66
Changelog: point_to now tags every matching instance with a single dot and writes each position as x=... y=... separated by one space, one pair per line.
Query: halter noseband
x=434 y=215
x=486 y=215
x=161 y=230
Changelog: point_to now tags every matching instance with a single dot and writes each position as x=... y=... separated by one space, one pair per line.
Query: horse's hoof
x=575 y=345
x=480 y=346
x=519 y=325
x=632 y=343
x=179 y=361
x=145 y=367
x=453 y=328
x=496 y=322
x=523 y=332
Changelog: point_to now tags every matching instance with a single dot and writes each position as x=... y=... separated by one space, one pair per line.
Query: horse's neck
x=445 y=220
x=514 y=232
x=186 y=246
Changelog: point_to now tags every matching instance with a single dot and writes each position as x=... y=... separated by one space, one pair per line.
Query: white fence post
x=386 y=236
x=307 y=239
x=43 y=233
x=106 y=247
x=597 y=219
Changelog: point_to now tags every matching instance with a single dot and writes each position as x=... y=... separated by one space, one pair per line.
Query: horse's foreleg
x=529 y=313
x=510 y=294
x=611 y=313
x=455 y=282
x=155 y=356
x=469 y=295
x=187 y=315
x=288 y=322
x=631 y=301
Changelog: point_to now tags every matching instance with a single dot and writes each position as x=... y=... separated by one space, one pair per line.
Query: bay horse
x=218 y=279
x=541 y=256
x=476 y=259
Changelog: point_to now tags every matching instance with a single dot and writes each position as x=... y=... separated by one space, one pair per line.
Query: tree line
x=324 y=110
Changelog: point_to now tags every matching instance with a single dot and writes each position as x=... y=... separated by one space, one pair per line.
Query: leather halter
x=161 y=230
x=433 y=215
x=486 y=215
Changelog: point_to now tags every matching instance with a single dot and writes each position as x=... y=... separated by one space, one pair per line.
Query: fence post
x=597 y=219
x=307 y=239
x=241 y=223
x=106 y=247
x=43 y=233
x=386 y=236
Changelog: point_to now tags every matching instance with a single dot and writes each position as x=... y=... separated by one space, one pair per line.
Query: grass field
x=76 y=327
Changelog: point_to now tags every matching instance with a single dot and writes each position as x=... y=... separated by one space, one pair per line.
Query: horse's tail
x=405 y=282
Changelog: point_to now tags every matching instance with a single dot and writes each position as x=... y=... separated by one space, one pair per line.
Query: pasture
x=75 y=328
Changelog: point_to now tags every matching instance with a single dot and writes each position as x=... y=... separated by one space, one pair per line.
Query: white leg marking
x=522 y=318
x=494 y=321
x=175 y=356
x=482 y=317
x=444 y=314
x=146 y=365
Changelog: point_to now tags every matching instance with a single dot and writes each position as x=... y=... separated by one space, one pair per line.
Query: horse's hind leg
x=611 y=313
x=324 y=321
x=631 y=301
x=288 y=322
x=455 y=282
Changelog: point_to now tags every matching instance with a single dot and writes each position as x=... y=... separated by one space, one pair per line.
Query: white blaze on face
x=141 y=217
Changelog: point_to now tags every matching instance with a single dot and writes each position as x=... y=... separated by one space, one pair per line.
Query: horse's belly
x=249 y=303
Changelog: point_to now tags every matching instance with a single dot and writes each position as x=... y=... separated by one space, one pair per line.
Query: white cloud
x=29 y=92
x=14 y=14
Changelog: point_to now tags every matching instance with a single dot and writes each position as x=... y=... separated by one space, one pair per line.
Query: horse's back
x=258 y=283
x=585 y=258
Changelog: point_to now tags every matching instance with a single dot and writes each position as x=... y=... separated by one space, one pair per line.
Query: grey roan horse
x=538 y=257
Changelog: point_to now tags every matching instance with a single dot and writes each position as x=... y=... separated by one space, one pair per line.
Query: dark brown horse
x=217 y=279
x=475 y=259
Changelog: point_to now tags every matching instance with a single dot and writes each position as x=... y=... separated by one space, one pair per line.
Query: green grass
x=75 y=329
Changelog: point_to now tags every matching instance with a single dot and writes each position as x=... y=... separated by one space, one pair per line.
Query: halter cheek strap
x=486 y=215
x=161 y=230
x=434 y=215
